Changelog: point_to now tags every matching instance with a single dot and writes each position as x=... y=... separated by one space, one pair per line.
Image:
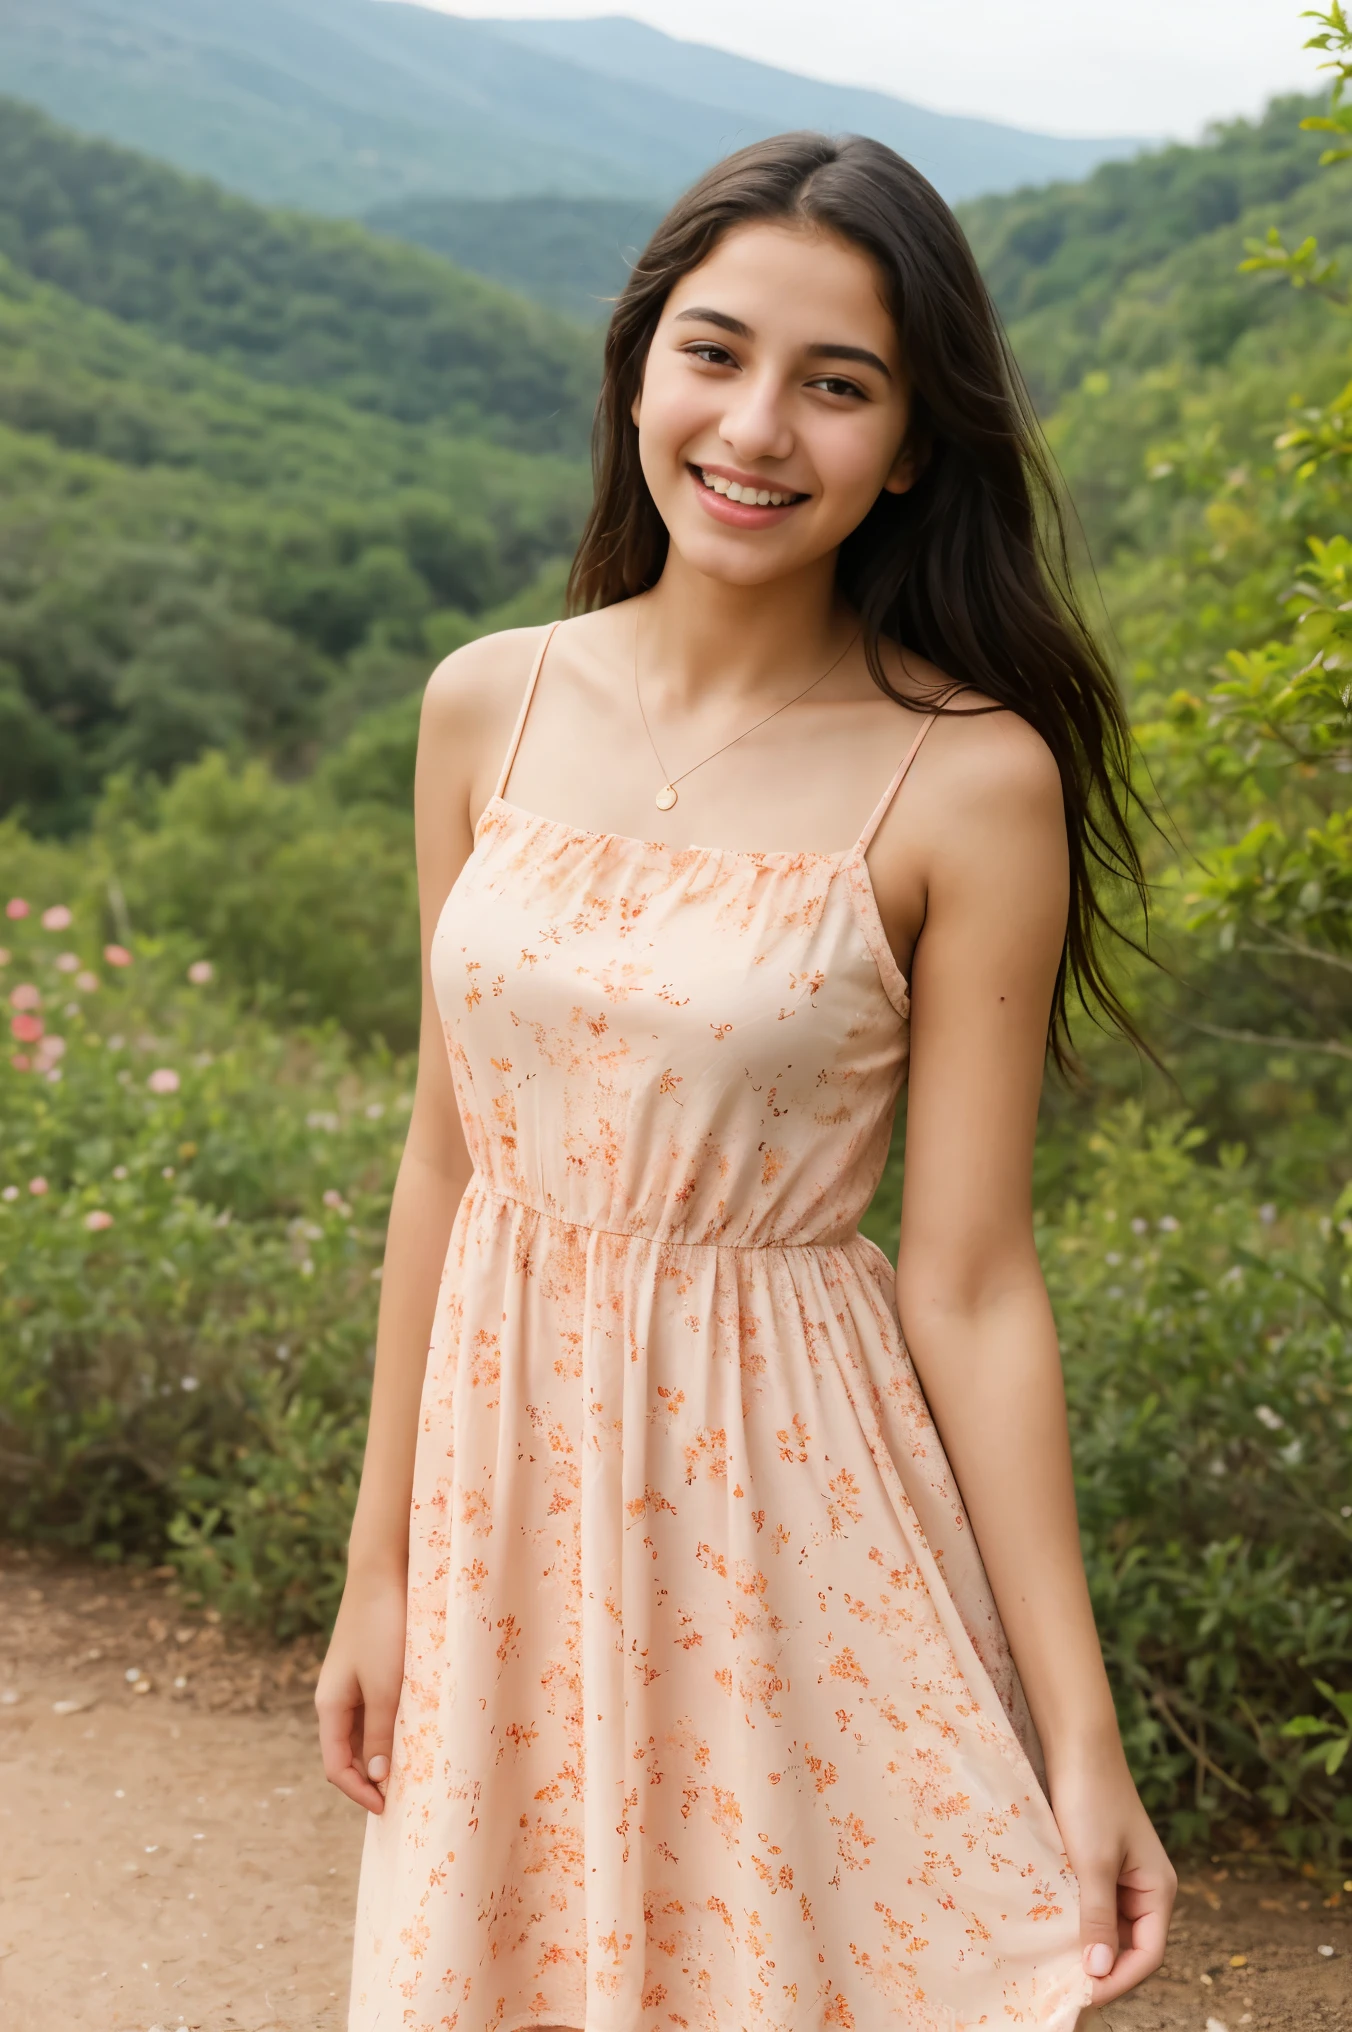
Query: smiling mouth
x=750 y=497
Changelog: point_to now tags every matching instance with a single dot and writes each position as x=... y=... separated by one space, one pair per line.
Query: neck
x=700 y=635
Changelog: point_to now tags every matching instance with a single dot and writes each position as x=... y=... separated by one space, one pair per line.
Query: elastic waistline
x=478 y=1185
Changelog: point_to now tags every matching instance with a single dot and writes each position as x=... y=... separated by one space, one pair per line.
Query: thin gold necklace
x=666 y=796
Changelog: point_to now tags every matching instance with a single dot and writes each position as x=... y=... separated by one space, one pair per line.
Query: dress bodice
x=698 y=1045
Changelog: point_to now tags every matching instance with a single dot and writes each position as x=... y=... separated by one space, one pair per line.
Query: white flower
x=1168 y=1226
x=1273 y=1420
x=1267 y=1213
x=1140 y=1227
x=189 y=1383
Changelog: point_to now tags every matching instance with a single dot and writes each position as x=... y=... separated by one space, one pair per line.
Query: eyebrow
x=823 y=350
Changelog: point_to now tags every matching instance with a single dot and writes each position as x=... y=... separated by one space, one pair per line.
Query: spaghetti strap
x=519 y=729
x=885 y=801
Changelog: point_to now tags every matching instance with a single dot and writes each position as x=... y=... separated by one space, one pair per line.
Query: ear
x=904 y=474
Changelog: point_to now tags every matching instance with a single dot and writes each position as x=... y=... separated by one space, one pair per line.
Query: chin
x=736 y=561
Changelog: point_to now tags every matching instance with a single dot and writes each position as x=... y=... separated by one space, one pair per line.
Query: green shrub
x=192 y=1210
x=1208 y=1352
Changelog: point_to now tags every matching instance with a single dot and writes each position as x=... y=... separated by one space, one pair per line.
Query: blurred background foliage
x=239 y=522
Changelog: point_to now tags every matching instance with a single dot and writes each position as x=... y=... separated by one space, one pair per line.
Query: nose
x=755 y=423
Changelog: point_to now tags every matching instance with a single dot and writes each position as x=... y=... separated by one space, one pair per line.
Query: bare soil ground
x=170 y=1856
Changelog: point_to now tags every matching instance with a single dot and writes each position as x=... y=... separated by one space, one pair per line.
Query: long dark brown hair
x=970 y=568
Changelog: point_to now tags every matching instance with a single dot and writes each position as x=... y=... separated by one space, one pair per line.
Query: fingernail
x=378 y=1768
x=1098 y=1960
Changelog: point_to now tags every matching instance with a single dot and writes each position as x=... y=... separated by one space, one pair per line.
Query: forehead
x=793 y=283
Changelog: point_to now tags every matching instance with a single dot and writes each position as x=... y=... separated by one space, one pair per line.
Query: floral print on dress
x=708 y=1721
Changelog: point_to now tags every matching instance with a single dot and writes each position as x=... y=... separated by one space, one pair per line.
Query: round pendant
x=666 y=797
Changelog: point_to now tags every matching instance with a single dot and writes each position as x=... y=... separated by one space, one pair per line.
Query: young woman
x=710 y=1656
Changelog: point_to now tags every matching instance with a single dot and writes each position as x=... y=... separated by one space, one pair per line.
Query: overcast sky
x=1148 y=67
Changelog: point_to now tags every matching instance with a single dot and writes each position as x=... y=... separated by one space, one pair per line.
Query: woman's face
x=774 y=372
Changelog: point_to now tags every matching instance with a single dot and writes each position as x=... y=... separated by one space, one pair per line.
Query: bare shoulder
x=478 y=689
x=980 y=759
x=990 y=758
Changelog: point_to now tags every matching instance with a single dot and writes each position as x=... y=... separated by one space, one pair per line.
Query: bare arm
x=973 y=1303
x=466 y=720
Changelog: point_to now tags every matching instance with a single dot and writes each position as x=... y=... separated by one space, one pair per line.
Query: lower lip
x=740 y=514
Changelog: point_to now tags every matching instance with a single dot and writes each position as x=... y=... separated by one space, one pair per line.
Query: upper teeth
x=755 y=497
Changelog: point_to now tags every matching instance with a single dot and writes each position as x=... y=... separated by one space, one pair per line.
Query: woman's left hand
x=1127 y=1883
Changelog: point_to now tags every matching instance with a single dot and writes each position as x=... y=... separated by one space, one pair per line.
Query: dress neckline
x=794 y=855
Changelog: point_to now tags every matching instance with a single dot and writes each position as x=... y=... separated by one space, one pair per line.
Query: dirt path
x=172 y=1858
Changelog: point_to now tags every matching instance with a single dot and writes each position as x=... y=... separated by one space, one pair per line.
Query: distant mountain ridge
x=341 y=106
x=962 y=155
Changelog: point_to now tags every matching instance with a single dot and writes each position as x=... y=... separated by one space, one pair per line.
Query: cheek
x=853 y=460
x=672 y=409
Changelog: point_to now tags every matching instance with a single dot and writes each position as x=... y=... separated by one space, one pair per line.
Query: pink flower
x=67 y=963
x=16 y=907
x=97 y=1220
x=117 y=955
x=21 y=1061
x=25 y=996
x=86 y=982
x=37 y=1186
x=200 y=972
x=58 y=918
x=164 y=1080
x=50 y=1049
x=26 y=1029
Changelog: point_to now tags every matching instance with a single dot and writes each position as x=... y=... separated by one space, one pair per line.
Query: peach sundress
x=708 y=1721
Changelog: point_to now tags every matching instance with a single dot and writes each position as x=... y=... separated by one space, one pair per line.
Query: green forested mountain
x=340 y=105
x=213 y=530
x=1138 y=263
x=286 y=298
x=571 y=253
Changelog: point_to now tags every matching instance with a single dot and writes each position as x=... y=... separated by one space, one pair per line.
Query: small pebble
x=1326 y=1950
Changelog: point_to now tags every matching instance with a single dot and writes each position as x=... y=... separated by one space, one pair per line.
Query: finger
x=339 y=1727
x=377 y=1745
x=1098 y=1916
x=1139 y=1957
